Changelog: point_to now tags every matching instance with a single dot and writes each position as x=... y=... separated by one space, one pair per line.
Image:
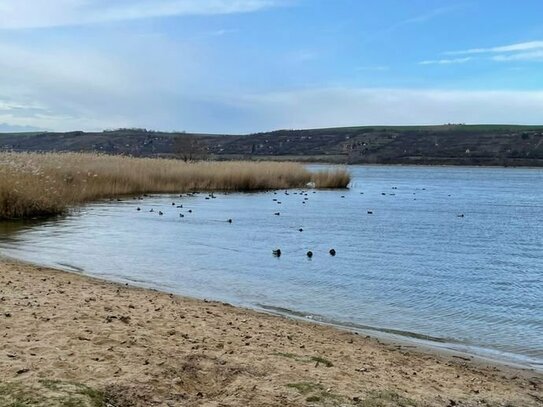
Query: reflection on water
x=414 y=266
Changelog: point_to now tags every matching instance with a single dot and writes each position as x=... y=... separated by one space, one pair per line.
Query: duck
x=332 y=252
x=309 y=254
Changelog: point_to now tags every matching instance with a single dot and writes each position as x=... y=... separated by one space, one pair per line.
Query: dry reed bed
x=46 y=184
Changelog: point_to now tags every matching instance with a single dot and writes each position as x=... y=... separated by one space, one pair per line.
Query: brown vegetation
x=33 y=184
x=331 y=178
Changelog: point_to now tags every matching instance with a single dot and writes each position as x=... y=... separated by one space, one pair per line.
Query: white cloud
x=445 y=61
x=521 y=46
x=15 y=14
x=522 y=51
x=224 y=31
x=71 y=87
x=520 y=56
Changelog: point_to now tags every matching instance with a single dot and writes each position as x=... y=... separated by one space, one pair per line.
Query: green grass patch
x=318 y=360
x=315 y=393
x=305 y=387
x=50 y=393
x=288 y=355
x=313 y=399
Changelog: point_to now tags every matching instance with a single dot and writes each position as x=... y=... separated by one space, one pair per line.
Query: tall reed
x=34 y=184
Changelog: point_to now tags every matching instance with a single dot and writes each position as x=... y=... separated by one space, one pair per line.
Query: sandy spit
x=140 y=347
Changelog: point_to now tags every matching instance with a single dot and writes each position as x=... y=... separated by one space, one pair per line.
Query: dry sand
x=61 y=332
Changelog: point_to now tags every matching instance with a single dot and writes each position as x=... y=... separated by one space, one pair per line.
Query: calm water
x=414 y=266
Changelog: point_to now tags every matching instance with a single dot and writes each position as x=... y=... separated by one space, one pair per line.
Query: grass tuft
x=319 y=360
x=316 y=393
x=305 y=359
x=305 y=387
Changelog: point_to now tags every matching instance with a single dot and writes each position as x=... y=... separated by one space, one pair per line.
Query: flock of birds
x=276 y=252
x=305 y=194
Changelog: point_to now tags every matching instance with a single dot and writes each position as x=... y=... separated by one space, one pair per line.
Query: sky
x=241 y=66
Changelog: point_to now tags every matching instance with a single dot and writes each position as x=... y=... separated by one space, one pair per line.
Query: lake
x=449 y=256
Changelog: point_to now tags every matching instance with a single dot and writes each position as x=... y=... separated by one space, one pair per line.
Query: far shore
x=69 y=337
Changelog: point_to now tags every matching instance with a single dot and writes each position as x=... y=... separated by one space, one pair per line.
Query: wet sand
x=140 y=347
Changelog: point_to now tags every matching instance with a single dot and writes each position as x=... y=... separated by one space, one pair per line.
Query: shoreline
x=408 y=339
x=129 y=343
x=422 y=345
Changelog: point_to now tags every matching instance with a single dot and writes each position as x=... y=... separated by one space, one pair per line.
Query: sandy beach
x=67 y=338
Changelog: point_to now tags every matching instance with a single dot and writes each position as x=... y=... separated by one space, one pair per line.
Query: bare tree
x=189 y=148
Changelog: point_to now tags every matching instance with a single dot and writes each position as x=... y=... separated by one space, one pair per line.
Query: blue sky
x=251 y=65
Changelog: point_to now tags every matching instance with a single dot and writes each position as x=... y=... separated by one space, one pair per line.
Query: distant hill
x=498 y=145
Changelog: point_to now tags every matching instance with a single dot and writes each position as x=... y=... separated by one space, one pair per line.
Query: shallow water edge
x=401 y=339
